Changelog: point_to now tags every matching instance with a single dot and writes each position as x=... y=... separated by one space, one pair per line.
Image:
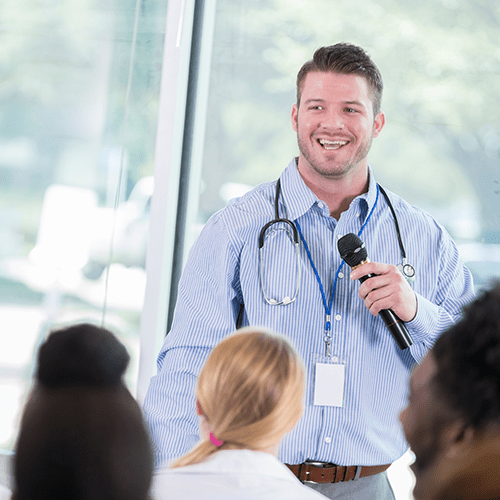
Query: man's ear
x=458 y=439
x=295 y=114
x=378 y=124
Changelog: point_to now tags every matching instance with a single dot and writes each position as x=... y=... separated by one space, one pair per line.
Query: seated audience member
x=82 y=435
x=452 y=420
x=249 y=395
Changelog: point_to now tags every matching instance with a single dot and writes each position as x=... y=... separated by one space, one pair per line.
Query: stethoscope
x=406 y=269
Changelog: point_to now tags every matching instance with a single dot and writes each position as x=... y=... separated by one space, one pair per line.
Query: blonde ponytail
x=250 y=389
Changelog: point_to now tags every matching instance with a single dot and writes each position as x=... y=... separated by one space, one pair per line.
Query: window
x=440 y=63
x=80 y=92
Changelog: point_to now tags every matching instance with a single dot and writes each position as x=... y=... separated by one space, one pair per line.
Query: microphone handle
x=397 y=328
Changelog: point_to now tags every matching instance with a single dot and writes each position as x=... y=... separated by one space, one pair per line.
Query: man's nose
x=333 y=119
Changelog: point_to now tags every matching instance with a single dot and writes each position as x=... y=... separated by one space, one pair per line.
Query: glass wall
x=440 y=61
x=80 y=91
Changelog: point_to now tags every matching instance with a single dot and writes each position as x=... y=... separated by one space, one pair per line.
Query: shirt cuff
x=424 y=325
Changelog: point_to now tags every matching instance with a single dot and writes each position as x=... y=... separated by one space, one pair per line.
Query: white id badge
x=329 y=381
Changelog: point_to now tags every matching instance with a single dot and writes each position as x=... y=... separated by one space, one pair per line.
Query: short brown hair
x=344 y=58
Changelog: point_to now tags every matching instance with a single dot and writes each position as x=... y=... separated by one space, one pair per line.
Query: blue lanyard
x=328 y=306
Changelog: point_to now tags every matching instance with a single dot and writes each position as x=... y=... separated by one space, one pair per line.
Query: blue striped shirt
x=222 y=272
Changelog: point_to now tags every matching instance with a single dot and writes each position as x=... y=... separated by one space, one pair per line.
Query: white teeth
x=332 y=144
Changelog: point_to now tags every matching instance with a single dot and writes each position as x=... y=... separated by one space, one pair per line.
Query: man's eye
x=351 y=110
x=317 y=107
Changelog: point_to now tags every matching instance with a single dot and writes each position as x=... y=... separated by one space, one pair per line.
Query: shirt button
x=328 y=440
x=339 y=236
x=338 y=317
x=321 y=204
x=341 y=275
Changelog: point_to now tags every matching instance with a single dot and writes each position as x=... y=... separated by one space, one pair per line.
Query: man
x=241 y=270
x=452 y=420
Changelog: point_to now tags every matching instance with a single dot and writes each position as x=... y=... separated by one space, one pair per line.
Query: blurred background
x=85 y=91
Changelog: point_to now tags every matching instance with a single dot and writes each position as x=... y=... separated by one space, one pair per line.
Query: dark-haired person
x=452 y=420
x=357 y=375
x=82 y=434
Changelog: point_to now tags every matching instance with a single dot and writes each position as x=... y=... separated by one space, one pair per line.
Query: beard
x=328 y=166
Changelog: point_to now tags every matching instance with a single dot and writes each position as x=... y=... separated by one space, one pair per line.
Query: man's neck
x=337 y=193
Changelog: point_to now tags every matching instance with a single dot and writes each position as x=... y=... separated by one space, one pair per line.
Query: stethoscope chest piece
x=407 y=270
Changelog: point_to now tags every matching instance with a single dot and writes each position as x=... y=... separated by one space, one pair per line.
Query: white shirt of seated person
x=239 y=474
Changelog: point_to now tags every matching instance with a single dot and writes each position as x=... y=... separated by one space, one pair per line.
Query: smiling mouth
x=332 y=144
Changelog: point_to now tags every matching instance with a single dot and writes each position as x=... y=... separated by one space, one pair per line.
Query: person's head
x=82 y=434
x=346 y=59
x=337 y=115
x=249 y=393
x=454 y=404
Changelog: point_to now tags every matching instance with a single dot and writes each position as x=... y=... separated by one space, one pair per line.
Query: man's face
x=335 y=125
x=423 y=422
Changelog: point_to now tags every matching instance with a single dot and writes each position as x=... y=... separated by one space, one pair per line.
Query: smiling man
x=335 y=124
x=452 y=420
x=270 y=258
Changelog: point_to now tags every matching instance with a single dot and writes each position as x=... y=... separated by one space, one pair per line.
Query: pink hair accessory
x=215 y=441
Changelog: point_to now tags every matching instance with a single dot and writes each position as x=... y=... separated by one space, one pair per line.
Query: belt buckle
x=323 y=465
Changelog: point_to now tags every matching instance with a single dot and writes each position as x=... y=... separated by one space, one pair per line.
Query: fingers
x=388 y=289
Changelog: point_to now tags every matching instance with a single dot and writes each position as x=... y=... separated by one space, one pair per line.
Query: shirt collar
x=366 y=201
x=298 y=198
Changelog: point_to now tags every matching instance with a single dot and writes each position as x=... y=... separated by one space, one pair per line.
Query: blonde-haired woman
x=249 y=395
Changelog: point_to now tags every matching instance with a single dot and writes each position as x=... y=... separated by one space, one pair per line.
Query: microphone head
x=352 y=249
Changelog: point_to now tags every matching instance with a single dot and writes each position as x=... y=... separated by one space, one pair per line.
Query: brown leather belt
x=323 y=472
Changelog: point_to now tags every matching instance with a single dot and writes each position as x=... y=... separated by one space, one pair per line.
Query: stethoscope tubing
x=407 y=269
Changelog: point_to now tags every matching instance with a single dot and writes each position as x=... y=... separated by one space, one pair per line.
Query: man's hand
x=388 y=290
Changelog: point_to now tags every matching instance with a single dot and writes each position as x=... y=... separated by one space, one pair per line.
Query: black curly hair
x=468 y=361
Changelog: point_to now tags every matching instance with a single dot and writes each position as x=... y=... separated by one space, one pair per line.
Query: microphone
x=353 y=252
